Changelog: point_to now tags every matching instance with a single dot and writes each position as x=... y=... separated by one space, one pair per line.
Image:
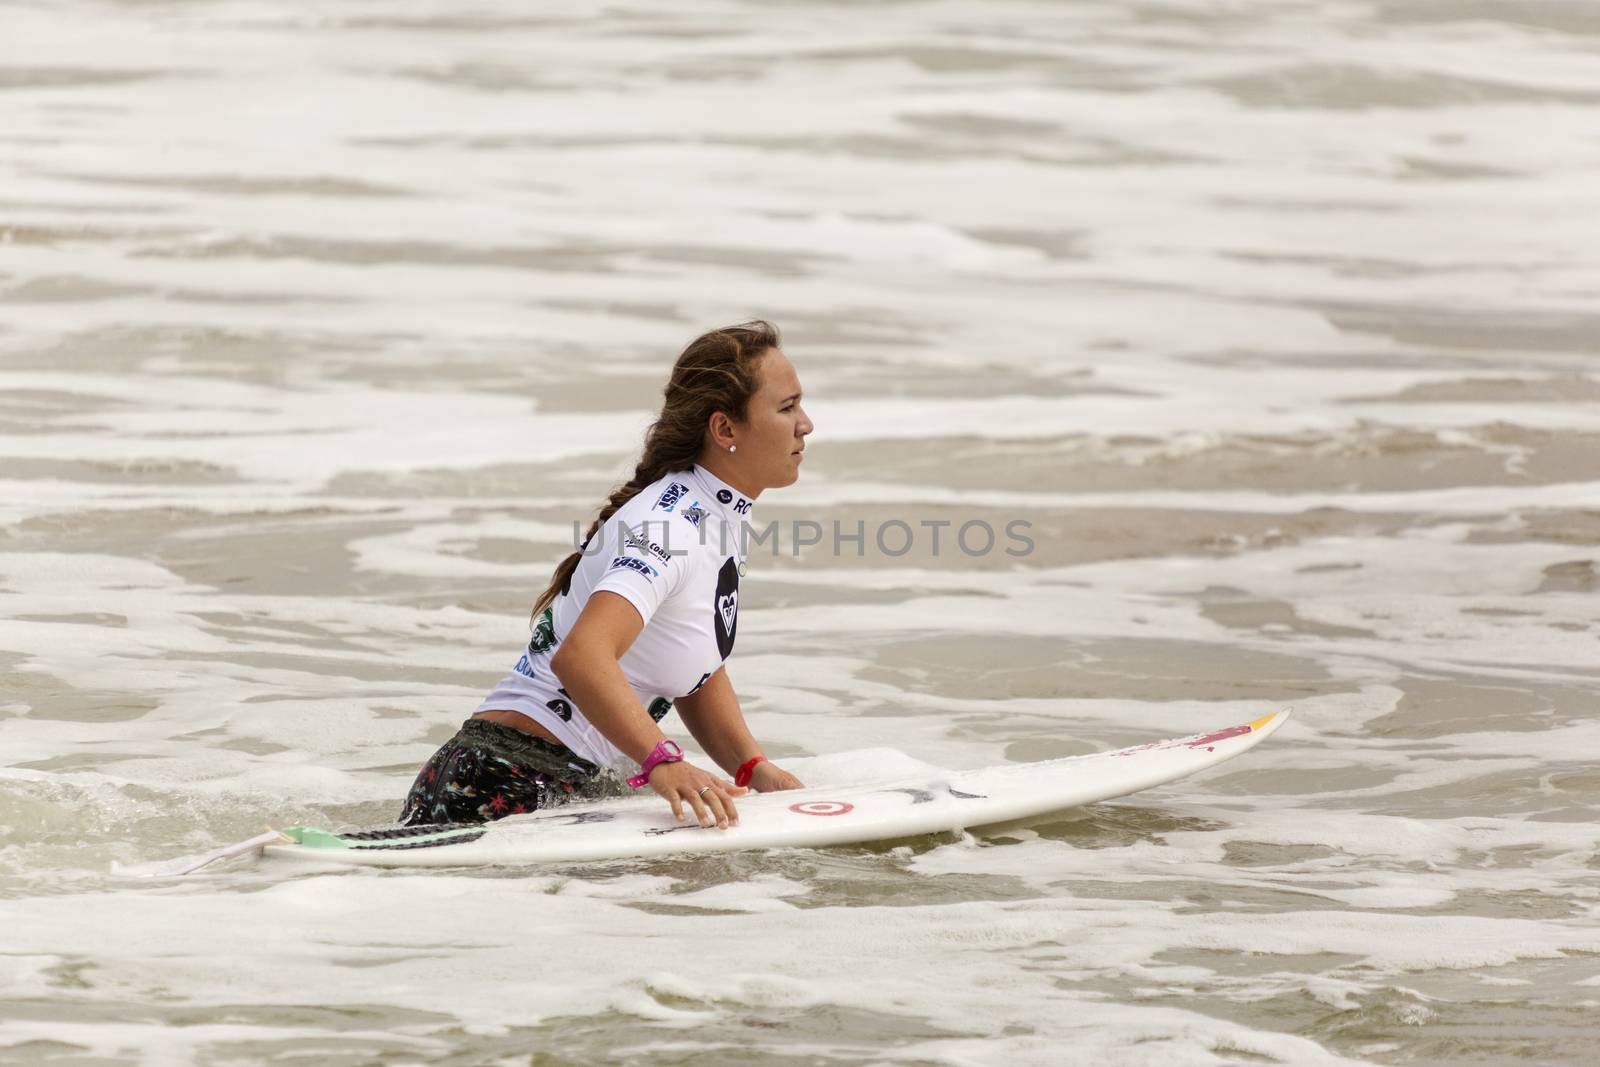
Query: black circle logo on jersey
x=726 y=609
x=724 y=496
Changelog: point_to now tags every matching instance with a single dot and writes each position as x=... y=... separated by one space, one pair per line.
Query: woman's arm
x=713 y=716
x=588 y=668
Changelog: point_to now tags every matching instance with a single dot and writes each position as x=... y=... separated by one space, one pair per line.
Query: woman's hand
x=710 y=797
x=768 y=777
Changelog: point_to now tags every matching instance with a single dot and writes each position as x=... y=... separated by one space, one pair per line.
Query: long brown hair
x=716 y=372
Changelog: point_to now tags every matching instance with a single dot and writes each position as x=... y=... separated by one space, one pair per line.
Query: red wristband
x=741 y=777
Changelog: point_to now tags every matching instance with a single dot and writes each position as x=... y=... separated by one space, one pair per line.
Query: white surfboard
x=807 y=818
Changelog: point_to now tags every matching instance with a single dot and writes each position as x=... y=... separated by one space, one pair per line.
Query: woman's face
x=773 y=434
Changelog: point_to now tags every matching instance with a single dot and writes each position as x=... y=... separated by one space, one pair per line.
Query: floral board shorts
x=487 y=771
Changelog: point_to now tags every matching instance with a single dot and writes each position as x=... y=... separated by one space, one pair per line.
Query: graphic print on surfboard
x=726 y=608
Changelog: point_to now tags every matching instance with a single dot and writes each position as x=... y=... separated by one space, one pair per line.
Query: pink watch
x=666 y=751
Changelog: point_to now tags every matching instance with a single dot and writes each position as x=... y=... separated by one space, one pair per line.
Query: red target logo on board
x=822 y=807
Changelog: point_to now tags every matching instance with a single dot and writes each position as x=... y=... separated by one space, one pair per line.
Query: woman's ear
x=720 y=428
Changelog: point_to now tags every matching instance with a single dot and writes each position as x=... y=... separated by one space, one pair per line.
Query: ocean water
x=1274 y=323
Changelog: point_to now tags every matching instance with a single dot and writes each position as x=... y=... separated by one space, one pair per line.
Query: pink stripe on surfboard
x=1220 y=735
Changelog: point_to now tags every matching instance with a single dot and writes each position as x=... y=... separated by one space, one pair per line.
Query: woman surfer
x=644 y=615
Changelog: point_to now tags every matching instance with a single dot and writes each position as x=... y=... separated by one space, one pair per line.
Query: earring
x=733 y=448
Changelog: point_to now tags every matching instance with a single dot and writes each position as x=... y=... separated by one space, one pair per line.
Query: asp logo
x=635 y=565
x=670 y=496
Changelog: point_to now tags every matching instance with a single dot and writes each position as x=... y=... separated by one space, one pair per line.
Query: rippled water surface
x=1275 y=322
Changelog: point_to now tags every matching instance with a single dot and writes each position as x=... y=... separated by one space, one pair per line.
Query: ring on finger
x=702 y=791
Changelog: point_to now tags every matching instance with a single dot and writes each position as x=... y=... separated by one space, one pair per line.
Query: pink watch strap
x=666 y=751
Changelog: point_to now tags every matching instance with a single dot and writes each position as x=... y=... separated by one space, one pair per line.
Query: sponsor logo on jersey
x=635 y=565
x=670 y=496
x=742 y=507
x=724 y=496
x=694 y=513
x=633 y=540
x=725 y=610
x=544 y=634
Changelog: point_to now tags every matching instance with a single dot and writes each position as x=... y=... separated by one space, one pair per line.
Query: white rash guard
x=675 y=551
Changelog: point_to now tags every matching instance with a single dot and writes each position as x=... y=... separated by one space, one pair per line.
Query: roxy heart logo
x=725 y=613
